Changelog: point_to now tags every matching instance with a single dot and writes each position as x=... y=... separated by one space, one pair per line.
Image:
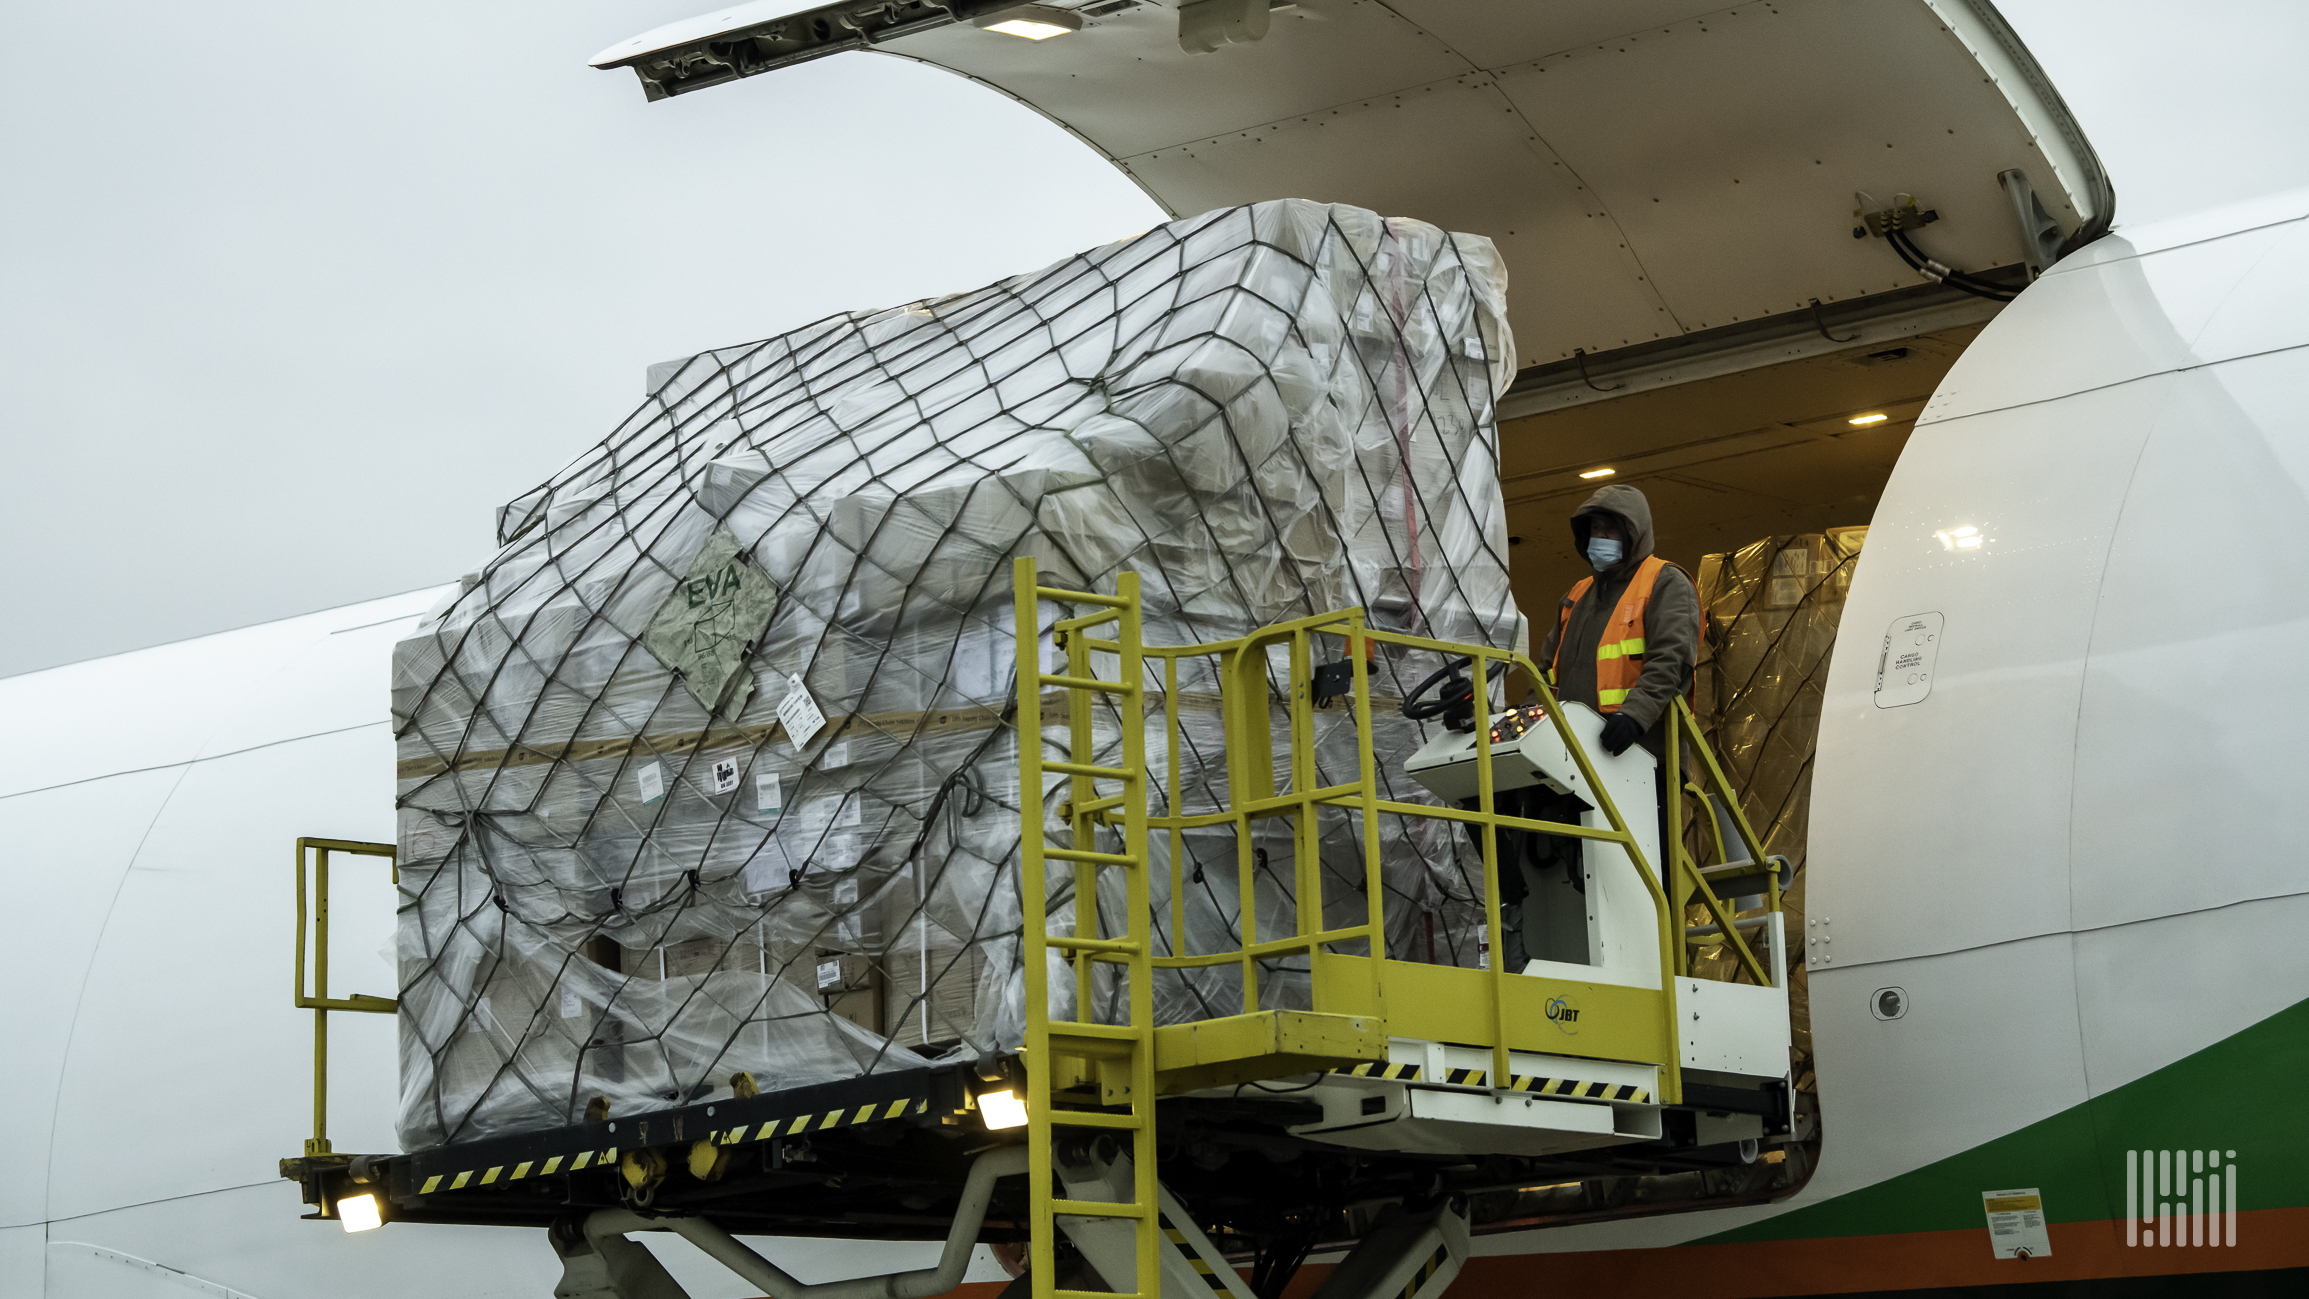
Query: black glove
x=1620 y=732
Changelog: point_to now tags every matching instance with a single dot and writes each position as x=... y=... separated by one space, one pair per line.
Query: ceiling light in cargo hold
x=1002 y=1109
x=1034 y=22
x=1599 y=473
x=1877 y=418
x=359 y=1212
x=1964 y=538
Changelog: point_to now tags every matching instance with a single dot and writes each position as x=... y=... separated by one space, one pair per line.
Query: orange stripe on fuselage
x=2269 y=1239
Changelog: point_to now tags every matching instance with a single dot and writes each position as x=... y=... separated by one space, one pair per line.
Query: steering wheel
x=1455 y=702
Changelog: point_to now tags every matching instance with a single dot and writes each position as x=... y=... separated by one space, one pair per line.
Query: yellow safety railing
x=1690 y=879
x=320 y=1002
x=1121 y=1056
x=1413 y=999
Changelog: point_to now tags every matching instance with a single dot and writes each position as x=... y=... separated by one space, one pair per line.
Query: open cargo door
x=1650 y=169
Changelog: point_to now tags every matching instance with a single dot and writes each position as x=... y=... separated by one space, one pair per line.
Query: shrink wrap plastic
x=1772 y=608
x=632 y=862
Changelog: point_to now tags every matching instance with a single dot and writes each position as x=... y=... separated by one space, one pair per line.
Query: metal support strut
x=603 y=1264
x=1407 y=1256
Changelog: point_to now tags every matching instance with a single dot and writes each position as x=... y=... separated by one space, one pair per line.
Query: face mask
x=1603 y=552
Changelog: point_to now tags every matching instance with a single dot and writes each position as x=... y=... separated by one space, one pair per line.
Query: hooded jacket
x=1671 y=621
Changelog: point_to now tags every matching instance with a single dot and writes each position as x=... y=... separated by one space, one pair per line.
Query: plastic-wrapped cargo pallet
x=711 y=767
x=1772 y=608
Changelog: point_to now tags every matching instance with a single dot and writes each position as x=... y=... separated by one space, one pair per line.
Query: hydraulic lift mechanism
x=1362 y=1118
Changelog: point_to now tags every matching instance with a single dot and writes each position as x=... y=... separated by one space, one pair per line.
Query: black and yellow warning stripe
x=1211 y=1276
x=789 y=1126
x=1580 y=1089
x=1425 y=1274
x=1573 y=1088
x=799 y=1124
x=1382 y=1069
x=478 y=1177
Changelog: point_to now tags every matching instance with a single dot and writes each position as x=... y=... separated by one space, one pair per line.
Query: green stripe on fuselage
x=2243 y=1093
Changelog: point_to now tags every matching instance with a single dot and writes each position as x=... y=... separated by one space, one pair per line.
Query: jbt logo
x=1563 y=1015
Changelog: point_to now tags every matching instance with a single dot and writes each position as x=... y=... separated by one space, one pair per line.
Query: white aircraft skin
x=2072 y=854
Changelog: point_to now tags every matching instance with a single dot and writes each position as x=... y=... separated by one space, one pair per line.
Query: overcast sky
x=298 y=293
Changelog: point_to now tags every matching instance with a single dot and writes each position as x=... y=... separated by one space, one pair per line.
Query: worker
x=1624 y=641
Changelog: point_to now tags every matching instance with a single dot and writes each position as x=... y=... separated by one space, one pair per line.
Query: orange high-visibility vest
x=1619 y=652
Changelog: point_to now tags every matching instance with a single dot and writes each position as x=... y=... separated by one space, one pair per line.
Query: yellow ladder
x=1117 y=1059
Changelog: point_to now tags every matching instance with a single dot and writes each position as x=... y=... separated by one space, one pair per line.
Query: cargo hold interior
x=1724 y=461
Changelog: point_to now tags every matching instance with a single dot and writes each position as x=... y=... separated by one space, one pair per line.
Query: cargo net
x=712 y=768
x=1772 y=608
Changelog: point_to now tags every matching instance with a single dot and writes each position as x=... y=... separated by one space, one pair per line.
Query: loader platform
x=1403 y=1103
